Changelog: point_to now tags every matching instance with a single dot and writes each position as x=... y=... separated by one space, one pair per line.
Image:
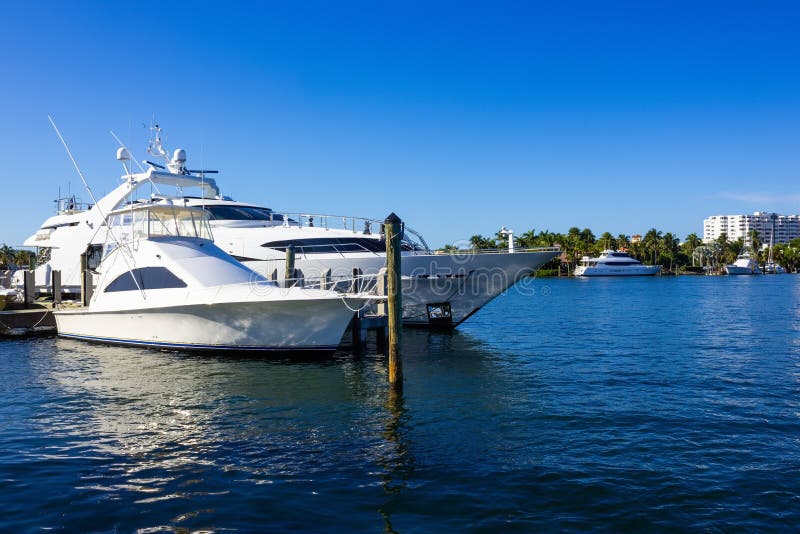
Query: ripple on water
x=625 y=404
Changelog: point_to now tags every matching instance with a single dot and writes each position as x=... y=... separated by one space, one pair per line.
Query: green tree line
x=655 y=247
x=15 y=258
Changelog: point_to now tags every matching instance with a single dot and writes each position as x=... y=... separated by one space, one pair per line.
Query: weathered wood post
x=289 y=275
x=393 y=231
x=29 y=288
x=56 y=280
x=86 y=281
x=325 y=280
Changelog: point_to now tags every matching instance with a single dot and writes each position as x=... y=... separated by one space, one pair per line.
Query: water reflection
x=174 y=440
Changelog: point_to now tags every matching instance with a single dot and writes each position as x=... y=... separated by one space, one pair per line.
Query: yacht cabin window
x=147 y=278
x=242 y=213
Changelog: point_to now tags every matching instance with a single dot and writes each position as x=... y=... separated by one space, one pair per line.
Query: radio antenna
x=94 y=201
x=75 y=163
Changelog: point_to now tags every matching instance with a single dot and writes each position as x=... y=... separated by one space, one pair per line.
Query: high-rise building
x=787 y=227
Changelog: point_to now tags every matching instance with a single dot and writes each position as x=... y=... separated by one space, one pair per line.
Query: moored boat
x=614 y=263
x=439 y=290
x=745 y=264
x=164 y=284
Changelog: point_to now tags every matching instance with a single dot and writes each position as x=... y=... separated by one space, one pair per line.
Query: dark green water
x=632 y=404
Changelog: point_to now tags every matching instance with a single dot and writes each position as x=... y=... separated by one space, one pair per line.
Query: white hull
x=315 y=325
x=464 y=281
x=735 y=270
x=643 y=270
x=773 y=268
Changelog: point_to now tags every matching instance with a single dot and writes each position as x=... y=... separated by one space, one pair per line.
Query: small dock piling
x=289 y=275
x=393 y=228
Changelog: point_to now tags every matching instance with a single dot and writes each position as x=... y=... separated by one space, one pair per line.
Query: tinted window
x=148 y=278
x=242 y=213
x=330 y=244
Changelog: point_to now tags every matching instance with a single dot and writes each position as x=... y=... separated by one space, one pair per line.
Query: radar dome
x=122 y=154
x=179 y=156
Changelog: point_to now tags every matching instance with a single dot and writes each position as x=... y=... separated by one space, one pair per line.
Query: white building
x=787 y=227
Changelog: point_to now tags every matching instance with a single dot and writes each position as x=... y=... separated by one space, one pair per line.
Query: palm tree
x=527 y=240
x=607 y=241
x=623 y=242
x=23 y=258
x=651 y=243
x=691 y=243
x=755 y=242
x=669 y=245
x=478 y=242
x=546 y=239
x=703 y=254
x=6 y=255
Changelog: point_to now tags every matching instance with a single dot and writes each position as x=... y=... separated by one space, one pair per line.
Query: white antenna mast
x=94 y=201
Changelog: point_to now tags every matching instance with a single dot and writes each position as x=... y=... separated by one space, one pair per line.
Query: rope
x=356 y=310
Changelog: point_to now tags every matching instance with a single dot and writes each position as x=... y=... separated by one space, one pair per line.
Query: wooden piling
x=393 y=231
x=325 y=280
x=86 y=281
x=29 y=288
x=56 y=281
x=289 y=274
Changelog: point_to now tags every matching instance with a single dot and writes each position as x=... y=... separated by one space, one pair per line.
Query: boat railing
x=70 y=204
x=362 y=284
x=410 y=237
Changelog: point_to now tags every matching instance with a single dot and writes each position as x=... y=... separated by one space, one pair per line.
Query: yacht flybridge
x=614 y=263
x=440 y=290
x=163 y=283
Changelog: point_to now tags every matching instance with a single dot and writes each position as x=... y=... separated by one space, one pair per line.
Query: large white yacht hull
x=463 y=281
x=305 y=326
x=641 y=270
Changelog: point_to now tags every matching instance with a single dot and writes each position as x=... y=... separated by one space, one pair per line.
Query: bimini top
x=152 y=221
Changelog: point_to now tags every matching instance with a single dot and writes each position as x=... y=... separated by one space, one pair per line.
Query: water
x=628 y=404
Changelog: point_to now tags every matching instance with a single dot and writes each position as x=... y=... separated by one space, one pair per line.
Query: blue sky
x=459 y=116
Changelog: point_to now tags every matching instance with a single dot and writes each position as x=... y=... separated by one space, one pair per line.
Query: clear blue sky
x=459 y=116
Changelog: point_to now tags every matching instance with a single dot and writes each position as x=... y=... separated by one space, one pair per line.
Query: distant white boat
x=744 y=264
x=614 y=263
x=163 y=283
x=772 y=267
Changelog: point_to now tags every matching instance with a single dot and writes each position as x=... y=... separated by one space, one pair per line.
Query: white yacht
x=438 y=290
x=744 y=264
x=614 y=263
x=163 y=283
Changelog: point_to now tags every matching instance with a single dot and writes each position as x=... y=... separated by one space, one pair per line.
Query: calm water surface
x=629 y=404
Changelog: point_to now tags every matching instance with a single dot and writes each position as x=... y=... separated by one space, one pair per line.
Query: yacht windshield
x=160 y=221
x=242 y=213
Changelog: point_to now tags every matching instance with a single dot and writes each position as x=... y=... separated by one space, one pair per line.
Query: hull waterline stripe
x=198 y=346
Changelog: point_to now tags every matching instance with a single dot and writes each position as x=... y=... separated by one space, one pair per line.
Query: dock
x=33 y=321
